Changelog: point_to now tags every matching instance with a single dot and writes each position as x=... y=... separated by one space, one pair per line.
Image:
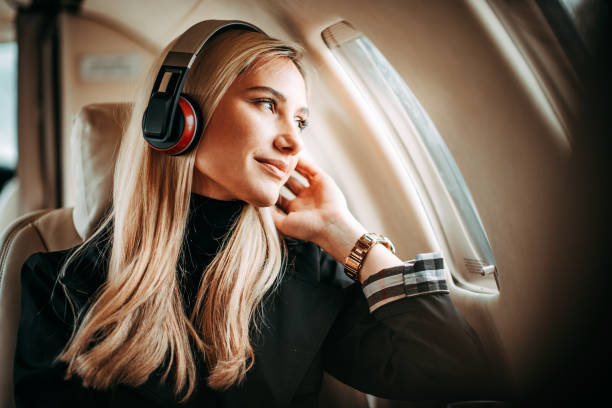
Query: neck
x=205 y=186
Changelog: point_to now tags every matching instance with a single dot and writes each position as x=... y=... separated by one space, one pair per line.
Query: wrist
x=364 y=250
x=340 y=234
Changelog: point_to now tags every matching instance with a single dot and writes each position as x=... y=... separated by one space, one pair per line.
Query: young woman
x=204 y=287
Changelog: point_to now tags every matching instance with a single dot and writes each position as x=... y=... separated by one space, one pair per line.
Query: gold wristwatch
x=354 y=261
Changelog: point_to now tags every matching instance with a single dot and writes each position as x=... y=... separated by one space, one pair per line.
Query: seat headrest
x=95 y=139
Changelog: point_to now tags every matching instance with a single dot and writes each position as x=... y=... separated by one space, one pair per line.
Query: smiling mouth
x=274 y=167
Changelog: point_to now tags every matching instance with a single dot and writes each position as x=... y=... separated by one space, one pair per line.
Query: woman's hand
x=318 y=213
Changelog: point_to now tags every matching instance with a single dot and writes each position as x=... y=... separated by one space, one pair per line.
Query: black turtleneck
x=208 y=225
x=209 y=221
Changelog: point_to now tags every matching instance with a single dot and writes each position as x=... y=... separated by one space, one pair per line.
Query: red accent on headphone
x=190 y=118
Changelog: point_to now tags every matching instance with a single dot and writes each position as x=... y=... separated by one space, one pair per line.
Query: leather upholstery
x=40 y=231
x=95 y=137
x=95 y=140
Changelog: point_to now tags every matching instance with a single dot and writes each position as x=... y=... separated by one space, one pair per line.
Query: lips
x=278 y=167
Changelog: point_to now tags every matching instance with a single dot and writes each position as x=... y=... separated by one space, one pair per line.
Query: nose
x=288 y=139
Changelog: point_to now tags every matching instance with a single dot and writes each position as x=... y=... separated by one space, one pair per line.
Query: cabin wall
x=80 y=37
x=520 y=166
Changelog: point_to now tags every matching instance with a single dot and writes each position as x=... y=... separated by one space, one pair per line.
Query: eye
x=301 y=123
x=266 y=103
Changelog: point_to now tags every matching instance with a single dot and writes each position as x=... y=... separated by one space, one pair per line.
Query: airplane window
x=427 y=162
x=8 y=105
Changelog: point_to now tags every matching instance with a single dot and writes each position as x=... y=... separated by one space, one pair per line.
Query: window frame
x=427 y=163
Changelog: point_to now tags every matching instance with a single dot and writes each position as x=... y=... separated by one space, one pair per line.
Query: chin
x=263 y=200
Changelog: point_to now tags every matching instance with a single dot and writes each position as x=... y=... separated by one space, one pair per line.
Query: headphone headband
x=190 y=43
x=158 y=122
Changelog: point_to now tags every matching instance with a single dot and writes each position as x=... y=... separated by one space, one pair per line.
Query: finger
x=279 y=218
x=294 y=185
x=283 y=203
x=307 y=168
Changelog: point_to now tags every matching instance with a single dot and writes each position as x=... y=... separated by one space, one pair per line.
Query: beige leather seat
x=95 y=139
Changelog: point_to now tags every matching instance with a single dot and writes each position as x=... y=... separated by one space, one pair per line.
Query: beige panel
x=85 y=36
x=156 y=21
x=504 y=145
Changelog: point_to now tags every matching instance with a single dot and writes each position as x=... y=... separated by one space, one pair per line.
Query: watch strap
x=354 y=261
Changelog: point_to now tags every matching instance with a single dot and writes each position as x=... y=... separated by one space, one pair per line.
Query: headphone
x=172 y=122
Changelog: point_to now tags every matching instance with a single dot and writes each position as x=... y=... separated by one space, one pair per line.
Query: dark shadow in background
x=5 y=175
x=582 y=376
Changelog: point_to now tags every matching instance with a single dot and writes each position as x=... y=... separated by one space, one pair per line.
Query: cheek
x=218 y=160
x=227 y=148
x=238 y=129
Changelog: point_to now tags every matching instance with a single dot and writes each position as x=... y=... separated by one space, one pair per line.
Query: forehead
x=280 y=74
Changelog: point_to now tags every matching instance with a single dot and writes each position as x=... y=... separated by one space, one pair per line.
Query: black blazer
x=416 y=348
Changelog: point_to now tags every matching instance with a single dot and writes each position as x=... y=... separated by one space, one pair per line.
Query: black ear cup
x=171 y=122
x=186 y=129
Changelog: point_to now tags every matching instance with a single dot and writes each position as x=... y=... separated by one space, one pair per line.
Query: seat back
x=95 y=138
x=40 y=231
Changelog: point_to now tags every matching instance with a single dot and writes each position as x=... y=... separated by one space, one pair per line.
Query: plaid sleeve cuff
x=423 y=275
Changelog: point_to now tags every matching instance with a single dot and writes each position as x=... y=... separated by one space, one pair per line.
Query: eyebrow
x=277 y=94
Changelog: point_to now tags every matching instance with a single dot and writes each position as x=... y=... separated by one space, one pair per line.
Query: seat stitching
x=10 y=237
x=40 y=237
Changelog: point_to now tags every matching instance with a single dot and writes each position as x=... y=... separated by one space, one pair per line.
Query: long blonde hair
x=136 y=323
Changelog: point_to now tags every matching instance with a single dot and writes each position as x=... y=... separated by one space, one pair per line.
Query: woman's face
x=253 y=140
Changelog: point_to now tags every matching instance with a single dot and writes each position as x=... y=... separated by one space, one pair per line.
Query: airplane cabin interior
x=478 y=129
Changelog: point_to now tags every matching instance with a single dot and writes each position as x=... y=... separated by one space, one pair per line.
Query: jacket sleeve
x=44 y=328
x=418 y=347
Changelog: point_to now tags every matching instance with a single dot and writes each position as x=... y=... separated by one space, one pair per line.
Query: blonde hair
x=136 y=323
